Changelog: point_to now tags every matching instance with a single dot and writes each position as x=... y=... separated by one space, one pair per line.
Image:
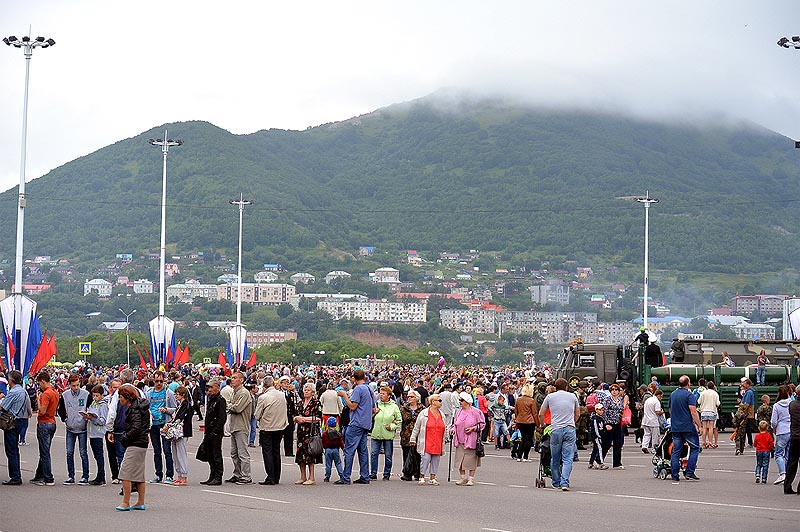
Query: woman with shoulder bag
x=428 y=437
x=310 y=414
x=135 y=439
x=182 y=421
x=466 y=431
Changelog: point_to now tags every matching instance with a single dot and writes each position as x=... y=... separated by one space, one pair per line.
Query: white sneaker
x=433 y=482
x=421 y=481
x=780 y=479
x=469 y=483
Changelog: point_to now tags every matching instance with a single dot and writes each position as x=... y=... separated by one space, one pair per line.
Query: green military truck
x=695 y=358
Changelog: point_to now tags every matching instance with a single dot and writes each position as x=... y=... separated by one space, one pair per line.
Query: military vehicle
x=695 y=358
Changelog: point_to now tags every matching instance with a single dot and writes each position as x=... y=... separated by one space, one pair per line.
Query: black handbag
x=6 y=420
x=480 y=452
x=315 y=447
x=202 y=454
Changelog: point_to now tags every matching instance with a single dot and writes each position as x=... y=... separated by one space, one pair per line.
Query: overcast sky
x=120 y=68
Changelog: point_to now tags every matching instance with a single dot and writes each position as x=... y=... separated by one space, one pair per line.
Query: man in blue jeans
x=75 y=400
x=362 y=405
x=564 y=413
x=685 y=428
x=14 y=403
x=45 y=429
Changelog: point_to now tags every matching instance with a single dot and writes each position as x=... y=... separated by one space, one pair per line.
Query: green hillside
x=530 y=183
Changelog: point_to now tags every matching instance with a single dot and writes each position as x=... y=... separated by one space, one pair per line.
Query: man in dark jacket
x=216 y=416
x=794 y=445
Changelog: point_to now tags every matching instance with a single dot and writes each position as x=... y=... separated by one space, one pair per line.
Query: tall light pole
x=27 y=46
x=19 y=323
x=128 y=331
x=646 y=201
x=239 y=332
x=162 y=327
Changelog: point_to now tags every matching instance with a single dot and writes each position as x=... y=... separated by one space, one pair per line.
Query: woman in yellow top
x=384 y=425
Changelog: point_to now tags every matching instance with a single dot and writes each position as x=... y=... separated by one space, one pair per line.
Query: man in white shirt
x=651 y=422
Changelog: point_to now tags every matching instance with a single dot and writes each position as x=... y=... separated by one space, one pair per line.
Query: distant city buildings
x=100 y=286
x=766 y=304
x=375 y=311
x=552 y=291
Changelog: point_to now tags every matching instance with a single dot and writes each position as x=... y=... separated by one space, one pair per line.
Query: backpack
x=334 y=436
x=592 y=400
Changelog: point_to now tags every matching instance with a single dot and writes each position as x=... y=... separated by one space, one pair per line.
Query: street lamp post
x=128 y=331
x=646 y=201
x=239 y=332
x=27 y=46
x=162 y=326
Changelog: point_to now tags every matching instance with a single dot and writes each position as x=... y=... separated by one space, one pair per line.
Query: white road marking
x=707 y=503
x=246 y=496
x=516 y=486
x=589 y=492
x=725 y=471
x=379 y=515
x=495 y=530
x=486 y=483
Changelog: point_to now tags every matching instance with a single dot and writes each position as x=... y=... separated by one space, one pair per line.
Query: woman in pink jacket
x=466 y=429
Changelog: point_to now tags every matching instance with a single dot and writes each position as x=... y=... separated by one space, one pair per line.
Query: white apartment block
x=553 y=291
x=258 y=294
x=186 y=292
x=100 y=286
x=258 y=338
x=469 y=320
x=385 y=275
x=376 y=311
x=143 y=286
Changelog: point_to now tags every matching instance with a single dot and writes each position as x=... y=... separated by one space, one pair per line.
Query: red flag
x=142 y=363
x=252 y=360
x=221 y=359
x=51 y=345
x=139 y=351
x=12 y=350
x=42 y=357
x=149 y=358
x=185 y=355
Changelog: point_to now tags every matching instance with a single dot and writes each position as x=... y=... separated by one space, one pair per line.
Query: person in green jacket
x=384 y=425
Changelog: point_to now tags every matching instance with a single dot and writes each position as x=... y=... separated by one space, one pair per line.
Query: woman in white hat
x=467 y=426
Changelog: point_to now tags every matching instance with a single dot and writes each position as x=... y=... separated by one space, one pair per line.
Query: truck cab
x=581 y=361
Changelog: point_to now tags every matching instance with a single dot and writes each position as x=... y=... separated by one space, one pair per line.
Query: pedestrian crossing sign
x=84 y=348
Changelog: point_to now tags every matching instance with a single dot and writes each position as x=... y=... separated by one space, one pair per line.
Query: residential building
x=307 y=301
x=770 y=305
x=273 y=268
x=265 y=277
x=413 y=258
x=754 y=331
x=256 y=339
x=385 y=275
x=259 y=294
x=228 y=278
x=479 y=321
x=336 y=274
x=766 y=304
x=302 y=277
x=32 y=288
x=99 y=286
x=188 y=291
x=376 y=311
x=366 y=251
x=171 y=269
x=552 y=291
x=143 y=286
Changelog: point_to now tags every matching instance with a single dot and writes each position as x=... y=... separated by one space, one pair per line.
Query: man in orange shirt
x=46 y=429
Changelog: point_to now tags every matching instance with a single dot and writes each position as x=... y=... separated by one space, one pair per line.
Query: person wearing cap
x=409 y=412
x=214 y=431
x=469 y=422
x=332 y=442
x=597 y=427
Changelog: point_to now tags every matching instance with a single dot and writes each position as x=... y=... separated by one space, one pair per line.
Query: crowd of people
x=332 y=414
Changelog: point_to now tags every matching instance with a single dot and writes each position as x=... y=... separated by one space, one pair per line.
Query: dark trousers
x=485 y=432
x=413 y=473
x=791 y=465
x=196 y=407
x=97 y=450
x=44 y=434
x=271 y=452
x=160 y=443
x=111 y=451
x=213 y=445
x=11 y=443
x=614 y=437
x=288 y=440
x=526 y=430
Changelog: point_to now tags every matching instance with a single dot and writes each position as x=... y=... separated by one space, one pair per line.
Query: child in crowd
x=332 y=441
x=764 y=444
x=516 y=442
x=96 y=415
x=597 y=426
x=498 y=412
x=764 y=412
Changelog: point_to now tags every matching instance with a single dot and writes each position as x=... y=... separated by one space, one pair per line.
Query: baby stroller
x=663 y=456
x=544 y=457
